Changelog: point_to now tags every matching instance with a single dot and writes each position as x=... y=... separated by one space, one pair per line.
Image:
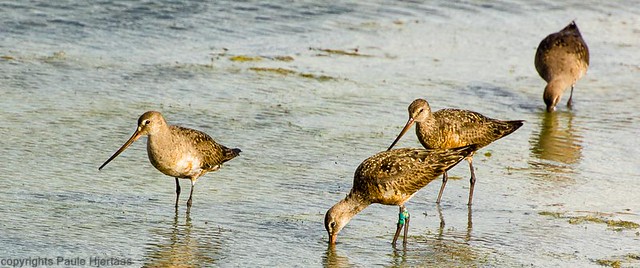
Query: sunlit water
x=76 y=76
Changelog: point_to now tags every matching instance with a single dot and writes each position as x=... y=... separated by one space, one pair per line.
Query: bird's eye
x=332 y=225
x=146 y=122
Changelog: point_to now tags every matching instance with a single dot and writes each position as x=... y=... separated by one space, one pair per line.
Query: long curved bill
x=404 y=130
x=136 y=135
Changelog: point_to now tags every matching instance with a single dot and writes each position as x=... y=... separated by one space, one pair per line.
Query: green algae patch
x=628 y=260
x=556 y=215
x=317 y=77
x=281 y=71
x=5 y=57
x=609 y=263
x=243 y=58
x=633 y=256
x=587 y=218
x=246 y=58
x=283 y=58
x=620 y=224
x=616 y=225
x=286 y=72
x=355 y=52
x=487 y=154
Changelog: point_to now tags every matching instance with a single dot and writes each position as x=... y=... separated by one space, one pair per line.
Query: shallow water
x=76 y=76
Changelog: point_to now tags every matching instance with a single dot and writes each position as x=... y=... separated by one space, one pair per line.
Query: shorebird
x=391 y=178
x=562 y=59
x=178 y=152
x=451 y=128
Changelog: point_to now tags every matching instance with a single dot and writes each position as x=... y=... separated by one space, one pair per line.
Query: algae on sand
x=617 y=225
x=283 y=71
x=355 y=53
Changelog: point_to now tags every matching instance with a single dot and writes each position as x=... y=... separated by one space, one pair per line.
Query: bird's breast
x=176 y=163
x=188 y=166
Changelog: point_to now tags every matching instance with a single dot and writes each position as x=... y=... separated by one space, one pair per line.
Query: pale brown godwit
x=391 y=178
x=451 y=128
x=562 y=59
x=178 y=152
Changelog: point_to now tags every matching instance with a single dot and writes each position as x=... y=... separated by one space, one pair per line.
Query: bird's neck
x=558 y=85
x=425 y=129
x=160 y=132
x=354 y=203
x=160 y=138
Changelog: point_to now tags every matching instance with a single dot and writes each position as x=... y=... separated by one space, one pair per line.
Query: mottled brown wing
x=212 y=153
x=404 y=171
x=462 y=127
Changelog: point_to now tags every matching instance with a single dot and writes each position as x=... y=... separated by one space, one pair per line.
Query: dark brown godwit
x=391 y=178
x=178 y=152
x=451 y=128
x=562 y=59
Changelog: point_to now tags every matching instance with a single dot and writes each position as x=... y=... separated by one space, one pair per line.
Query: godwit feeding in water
x=178 y=152
x=561 y=59
x=451 y=128
x=391 y=178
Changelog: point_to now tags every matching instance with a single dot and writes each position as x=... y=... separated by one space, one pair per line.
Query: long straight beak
x=136 y=135
x=333 y=238
x=404 y=130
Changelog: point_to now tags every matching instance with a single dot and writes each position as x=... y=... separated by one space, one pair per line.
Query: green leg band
x=402 y=217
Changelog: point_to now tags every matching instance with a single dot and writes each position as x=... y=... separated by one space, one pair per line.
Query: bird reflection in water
x=332 y=259
x=183 y=246
x=467 y=237
x=448 y=247
x=557 y=145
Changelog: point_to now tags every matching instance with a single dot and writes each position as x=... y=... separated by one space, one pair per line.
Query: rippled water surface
x=308 y=90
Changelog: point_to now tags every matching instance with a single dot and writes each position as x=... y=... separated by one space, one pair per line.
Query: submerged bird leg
x=472 y=180
x=403 y=221
x=177 y=191
x=193 y=182
x=445 y=177
x=570 y=95
x=442 y=223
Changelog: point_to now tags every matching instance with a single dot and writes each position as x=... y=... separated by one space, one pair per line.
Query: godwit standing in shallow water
x=561 y=59
x=178 y=152
x=391 y=178
x=451 y=128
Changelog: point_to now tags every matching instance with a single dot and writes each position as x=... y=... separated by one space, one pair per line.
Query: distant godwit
x=178 y=152
x=451 y=128
x=391 y=178
x=562 y=59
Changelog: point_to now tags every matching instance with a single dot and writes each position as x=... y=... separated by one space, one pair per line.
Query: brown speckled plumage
x=562 y=58
x=391 y=178
x=451 y=128
x=177 y=151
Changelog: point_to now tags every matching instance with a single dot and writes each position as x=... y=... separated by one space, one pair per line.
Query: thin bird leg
x=442 y=223
x=445 y=177
x=193 y=182
x=402 y=220
x=570 y=96
x=406 y=227
x=177 y=192
x=472 y=180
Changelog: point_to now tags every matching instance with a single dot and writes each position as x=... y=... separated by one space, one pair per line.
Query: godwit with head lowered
x=451 y=128
x=391 y=178
x=178 y=152
x=561 y=59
